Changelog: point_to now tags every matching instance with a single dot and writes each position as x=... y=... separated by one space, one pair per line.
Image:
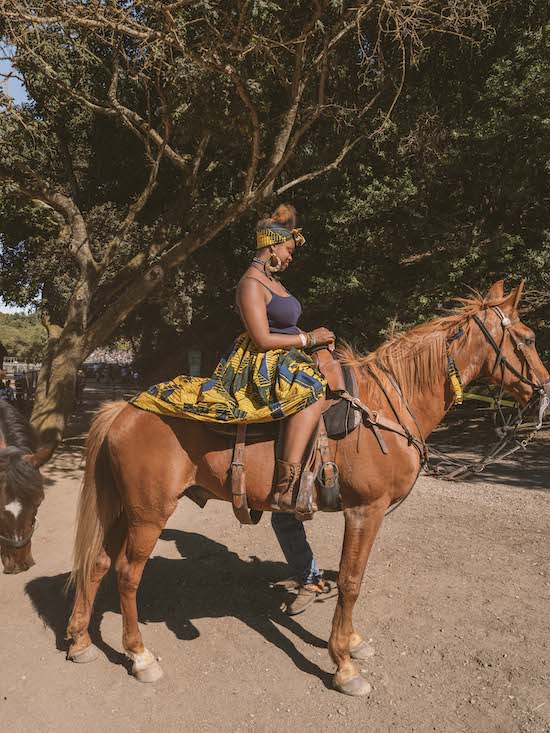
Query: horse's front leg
x=362 y=525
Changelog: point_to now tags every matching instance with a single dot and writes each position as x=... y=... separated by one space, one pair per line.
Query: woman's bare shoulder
x=250 y=283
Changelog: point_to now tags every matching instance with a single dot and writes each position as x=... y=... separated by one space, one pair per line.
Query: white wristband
x=303 y=339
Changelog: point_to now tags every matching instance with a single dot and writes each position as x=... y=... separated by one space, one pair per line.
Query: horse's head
x=511 y=359
x=21 y=493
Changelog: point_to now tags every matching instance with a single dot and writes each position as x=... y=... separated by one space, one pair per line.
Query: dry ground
x=456 y=602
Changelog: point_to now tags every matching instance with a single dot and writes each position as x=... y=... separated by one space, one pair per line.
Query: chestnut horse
x=139 y=465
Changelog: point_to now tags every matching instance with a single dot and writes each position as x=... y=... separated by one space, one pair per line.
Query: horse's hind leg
x=362 y=525
x=82 y=649
x=129 y=568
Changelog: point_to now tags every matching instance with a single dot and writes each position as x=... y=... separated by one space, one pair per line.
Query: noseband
x=18 y=544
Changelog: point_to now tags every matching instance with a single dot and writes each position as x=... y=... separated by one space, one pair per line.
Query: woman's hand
x=324 y=337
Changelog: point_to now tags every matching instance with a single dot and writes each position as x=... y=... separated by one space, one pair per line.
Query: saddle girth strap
x=238 y=481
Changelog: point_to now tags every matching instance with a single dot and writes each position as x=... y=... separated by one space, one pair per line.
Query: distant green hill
x=23 y=336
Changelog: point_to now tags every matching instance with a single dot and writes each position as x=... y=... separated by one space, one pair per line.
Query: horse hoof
x=152 y=673
x=355 y=687
x=89 y=654
x=362 y=651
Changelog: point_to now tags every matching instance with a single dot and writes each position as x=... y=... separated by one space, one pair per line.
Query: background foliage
x=449 y=195
x=23 y=336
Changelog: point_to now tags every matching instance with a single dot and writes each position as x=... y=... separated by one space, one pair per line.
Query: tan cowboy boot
x=287 y=478
x=307 y=594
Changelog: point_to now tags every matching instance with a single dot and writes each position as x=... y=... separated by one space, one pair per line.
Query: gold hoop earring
x=277 y=266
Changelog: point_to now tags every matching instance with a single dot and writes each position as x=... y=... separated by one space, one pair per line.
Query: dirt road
x=456 y=602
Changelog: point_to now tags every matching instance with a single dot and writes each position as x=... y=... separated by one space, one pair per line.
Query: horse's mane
x=415 y=358
x=16 y=429
x=19 y=478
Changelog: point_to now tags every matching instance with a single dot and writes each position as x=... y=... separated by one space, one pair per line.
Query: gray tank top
x=283 y=312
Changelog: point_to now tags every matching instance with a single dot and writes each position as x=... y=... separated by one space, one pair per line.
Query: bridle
x=18 y=544
x=451 y=468
x=501 y=360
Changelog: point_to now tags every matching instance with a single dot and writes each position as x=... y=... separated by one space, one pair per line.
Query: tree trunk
x=68 y=347
x=55 y=391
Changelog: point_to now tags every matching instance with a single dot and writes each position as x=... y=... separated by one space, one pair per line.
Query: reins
x=451 y=468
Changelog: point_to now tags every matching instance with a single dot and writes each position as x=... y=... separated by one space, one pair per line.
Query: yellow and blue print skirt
x=247 y=386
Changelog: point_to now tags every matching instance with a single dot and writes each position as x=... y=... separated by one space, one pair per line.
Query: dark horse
x=21 y=488
x=138 y=466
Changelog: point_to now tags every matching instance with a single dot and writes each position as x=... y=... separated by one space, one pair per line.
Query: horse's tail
x=99 y=503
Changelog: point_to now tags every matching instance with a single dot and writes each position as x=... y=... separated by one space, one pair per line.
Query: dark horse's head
x=21 y=488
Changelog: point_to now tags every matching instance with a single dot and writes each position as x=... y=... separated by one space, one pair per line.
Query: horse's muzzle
x=17 y=560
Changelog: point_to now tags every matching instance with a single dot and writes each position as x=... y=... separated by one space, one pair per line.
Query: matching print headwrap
x=274 y=233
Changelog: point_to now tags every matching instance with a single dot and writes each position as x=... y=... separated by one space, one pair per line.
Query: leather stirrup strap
x=330 y=471
x=326 y=472
x=238 y=481
x=304 y=507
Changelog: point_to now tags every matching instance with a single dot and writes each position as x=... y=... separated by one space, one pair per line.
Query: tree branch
x=133 y=211
x=38 y=189
x=116 y=109
x=347 y=147
x=61 y=134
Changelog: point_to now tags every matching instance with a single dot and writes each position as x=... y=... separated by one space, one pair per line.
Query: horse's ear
x=42 y=456
x=513 y=299
x=496 y=291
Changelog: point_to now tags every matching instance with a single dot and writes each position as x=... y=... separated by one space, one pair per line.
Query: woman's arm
x=252 y=305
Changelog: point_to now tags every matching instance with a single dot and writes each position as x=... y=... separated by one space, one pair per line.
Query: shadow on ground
x=471 y=436
x=209 y=581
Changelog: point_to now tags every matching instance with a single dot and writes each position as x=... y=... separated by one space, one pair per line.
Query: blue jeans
x=292 y=537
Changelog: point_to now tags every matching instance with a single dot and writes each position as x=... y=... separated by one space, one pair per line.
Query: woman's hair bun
x=285 y=215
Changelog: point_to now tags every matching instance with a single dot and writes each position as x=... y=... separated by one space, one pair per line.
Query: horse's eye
x=529 y=342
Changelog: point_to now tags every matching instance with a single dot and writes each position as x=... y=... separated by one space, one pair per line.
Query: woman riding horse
x=138 y=464
x=266 y=376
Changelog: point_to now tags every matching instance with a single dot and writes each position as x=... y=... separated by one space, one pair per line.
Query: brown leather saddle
x=338 y=420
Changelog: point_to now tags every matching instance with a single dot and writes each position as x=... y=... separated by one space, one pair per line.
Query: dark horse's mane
x=20 y=478
x=16 y=429
x=418 y=356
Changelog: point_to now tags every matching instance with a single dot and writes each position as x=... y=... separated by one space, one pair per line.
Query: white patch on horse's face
x=14 y=507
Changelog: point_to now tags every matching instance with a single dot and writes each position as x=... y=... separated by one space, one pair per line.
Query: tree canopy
x=451 y=196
